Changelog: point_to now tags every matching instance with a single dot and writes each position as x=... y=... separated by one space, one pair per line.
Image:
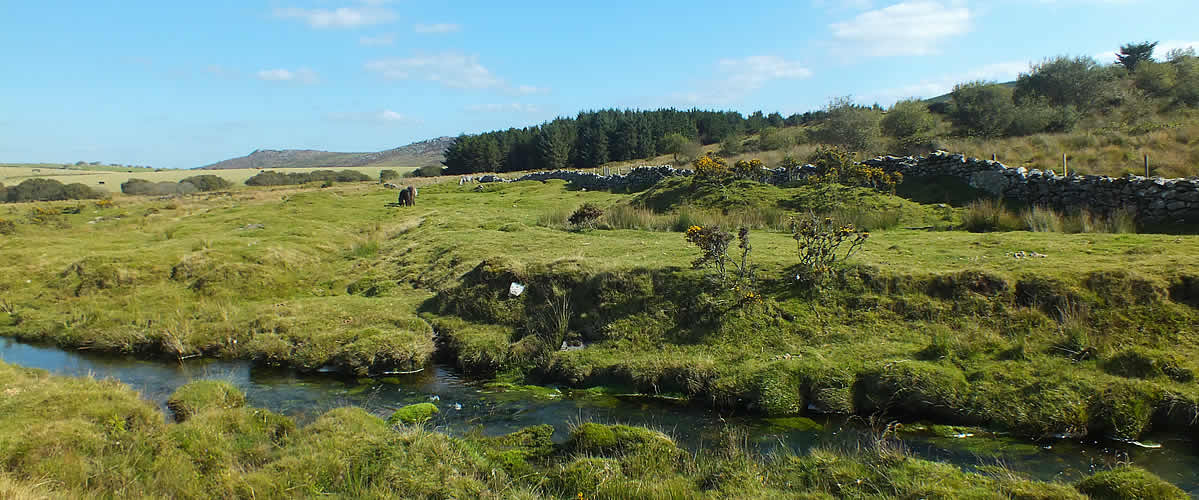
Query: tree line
x=593 y=138
x=1054 y=95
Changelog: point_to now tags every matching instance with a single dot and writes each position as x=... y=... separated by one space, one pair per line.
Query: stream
x=470 y=406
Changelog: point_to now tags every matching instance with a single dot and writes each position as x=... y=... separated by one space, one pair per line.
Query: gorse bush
x=586 y=216
x=836 y=165
x=714 y=242
x=822 y=244
x=387 y=175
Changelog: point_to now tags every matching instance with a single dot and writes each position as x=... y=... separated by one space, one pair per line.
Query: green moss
x=1129 y=482
x=413 y=414
x=521 y=452
x=522 y=392
x=599 y=439
x=198 y=396
x=800 y=424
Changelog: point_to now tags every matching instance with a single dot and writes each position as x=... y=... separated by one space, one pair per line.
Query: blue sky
x=179 y=85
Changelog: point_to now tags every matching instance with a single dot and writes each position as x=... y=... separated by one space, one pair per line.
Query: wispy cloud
x=342 y=17
x=745 y=75
x=302 y=75
x=383 y=117
x=997 y=72
x=438 y=28
x=514 y=107
x=907 y=28
x=377 y=41
x=449 y=69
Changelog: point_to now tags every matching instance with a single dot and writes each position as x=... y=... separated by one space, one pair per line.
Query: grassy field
x=110 y=178
x=1030 y=332
x=85 y=438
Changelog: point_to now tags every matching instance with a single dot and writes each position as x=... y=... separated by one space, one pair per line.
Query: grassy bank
x=1040 y=333
x=72 y=437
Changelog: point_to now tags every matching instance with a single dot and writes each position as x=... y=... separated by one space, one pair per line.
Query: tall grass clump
x=1047 y=220
x=988 y=215
x=1041 y=219
x=558 y=218
x=622 y=216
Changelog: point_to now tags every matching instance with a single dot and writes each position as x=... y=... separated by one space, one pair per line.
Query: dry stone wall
x=1152 y=199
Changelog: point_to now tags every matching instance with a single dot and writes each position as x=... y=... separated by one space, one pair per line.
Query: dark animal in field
x=407 y=197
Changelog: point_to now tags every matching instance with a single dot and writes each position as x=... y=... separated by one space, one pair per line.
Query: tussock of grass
x=126 y=450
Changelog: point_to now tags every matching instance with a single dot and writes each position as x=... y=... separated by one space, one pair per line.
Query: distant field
x=111 y=180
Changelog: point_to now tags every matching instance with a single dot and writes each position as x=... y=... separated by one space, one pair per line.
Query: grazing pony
x=408 y=197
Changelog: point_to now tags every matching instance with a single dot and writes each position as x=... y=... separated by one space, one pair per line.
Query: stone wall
x=1152 y=199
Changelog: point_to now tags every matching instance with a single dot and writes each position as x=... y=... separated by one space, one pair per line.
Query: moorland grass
x=951 y=325
x=67 y=437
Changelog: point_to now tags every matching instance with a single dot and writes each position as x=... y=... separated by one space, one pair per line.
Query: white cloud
x=514 y=107
x=1163 y=48
x=996 y=72
x=342 y=17
x=450 y=69
x=750 y=73
x=302 y=75
x=377 y=41
x=384 y=117
x=907 y=28
x=437 y=28
x=745 y=75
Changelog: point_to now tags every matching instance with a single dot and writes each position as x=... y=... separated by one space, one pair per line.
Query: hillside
x=429 y=152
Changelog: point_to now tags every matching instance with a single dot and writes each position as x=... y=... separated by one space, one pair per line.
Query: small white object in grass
x=515 y=289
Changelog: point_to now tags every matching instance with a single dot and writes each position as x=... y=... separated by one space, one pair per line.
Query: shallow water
x=471 y=407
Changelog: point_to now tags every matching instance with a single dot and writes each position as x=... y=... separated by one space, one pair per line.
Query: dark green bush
x=387 y=175
x=208 y=182
x=273 y=178
x=38 y=189
x=144 y=187
x=426 y=171
x=984 y=109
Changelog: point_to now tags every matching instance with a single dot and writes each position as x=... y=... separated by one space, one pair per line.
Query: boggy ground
x=64 y=437
x=1097 y=337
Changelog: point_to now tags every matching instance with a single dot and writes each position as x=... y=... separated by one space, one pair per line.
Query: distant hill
x=417 y=154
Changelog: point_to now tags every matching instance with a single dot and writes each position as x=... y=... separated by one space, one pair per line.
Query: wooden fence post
x=1146 y=164
x=1065 y=167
